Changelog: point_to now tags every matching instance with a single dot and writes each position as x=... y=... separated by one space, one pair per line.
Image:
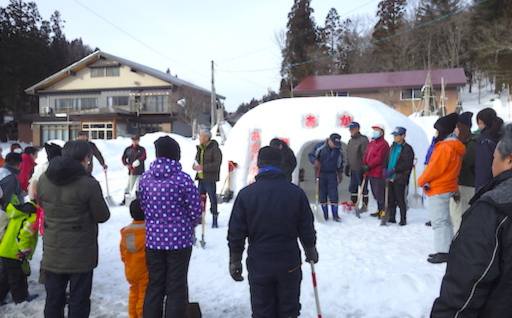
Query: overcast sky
x=186 y=35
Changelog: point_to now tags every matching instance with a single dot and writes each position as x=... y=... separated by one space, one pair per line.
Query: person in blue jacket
x=271 y=213
x=327 y=158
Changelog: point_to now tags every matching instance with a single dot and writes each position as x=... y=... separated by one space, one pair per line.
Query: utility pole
x=213 y=101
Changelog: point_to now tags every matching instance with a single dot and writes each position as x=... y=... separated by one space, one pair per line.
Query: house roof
x=96 y=56
x=364 y=81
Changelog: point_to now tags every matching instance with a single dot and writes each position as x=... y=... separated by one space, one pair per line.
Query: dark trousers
x=396 y=197
x=79 y=303
x=356 y=178
x=328 y=187
x=275 y=289
x=378 y=190
x=168 y=272
x=211 y=189
x=13 y=279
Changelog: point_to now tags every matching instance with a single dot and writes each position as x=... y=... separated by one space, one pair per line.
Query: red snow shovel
x=317 y=300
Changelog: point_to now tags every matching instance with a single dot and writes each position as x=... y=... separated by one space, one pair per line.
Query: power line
x=293 y=38
x=239 y=77
x=367 y=44
x=144 y=44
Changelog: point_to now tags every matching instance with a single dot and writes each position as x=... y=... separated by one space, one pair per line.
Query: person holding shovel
x=397 y=170
x=84 y=135
x=439 y=181
x=133 y=159
x=354 y=168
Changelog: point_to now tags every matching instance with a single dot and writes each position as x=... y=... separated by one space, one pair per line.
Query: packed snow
x=364 y=270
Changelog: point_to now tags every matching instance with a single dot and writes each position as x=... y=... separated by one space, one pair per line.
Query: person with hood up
x=172 y=209
x=271 y=214
x=478 y=272
x=373 y=159
x=327 y=159
x=28 y=164
x=490 y=126
x=73 y=204
x=289 y=161
x=439 y=181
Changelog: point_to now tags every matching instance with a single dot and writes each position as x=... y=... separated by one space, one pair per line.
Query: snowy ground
x=365 y=270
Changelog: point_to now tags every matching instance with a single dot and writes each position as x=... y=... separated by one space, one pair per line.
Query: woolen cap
x=336 y=140
x=167 y=147
x=136 y=211
x=447 y=123
x=269 y=156
x=465 y=118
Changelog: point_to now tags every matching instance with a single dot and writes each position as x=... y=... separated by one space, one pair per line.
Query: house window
x=97 y=72
x=411 y=93
x=341 y=94
x=74 y=104
x=112 y=71
x=99 y=130
x=62 y=132
x=156 y=103
x=117 y=101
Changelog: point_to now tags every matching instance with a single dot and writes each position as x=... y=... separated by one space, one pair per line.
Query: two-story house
x=109 y=96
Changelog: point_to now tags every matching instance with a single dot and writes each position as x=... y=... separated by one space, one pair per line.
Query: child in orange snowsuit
x=134 y=257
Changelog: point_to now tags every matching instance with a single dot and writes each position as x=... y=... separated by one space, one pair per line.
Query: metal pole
x=213 y=101
x=317 y=300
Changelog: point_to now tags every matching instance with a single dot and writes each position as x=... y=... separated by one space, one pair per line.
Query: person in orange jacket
x=439 y=181
x=133 y=255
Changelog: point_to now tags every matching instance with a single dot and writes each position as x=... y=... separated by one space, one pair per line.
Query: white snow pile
x=365 y=270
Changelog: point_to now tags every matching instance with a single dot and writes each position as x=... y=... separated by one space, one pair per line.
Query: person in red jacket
x=27 y=166
x=373 y=160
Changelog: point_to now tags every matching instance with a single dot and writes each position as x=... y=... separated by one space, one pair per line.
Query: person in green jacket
x=18 y=243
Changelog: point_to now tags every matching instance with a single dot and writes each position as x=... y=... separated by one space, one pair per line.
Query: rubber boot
x=334 y=208
x=365 y=204
x=353 y=198
x=215 y=224
x=326 y=211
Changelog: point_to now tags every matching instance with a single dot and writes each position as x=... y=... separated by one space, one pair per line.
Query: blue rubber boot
x=326 y=211
x=335 y=216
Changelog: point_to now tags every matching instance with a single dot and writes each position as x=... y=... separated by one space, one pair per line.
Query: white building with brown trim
x=109 y=96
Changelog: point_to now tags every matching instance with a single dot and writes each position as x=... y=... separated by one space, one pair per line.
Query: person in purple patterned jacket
x=172 y=209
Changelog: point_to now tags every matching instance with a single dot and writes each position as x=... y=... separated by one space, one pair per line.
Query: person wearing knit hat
x=288 y=159
x=459 y=203
x=327 y=159
x=172 y=208
x=133 y=255
x=439 y=181
x=271 y=213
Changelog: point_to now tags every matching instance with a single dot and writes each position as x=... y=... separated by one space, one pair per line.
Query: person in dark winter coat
x=354 y=167
x=327 y=159
x=74 y=205
x=373 y=159
x=289 y=161
x=133 y=159
x=172 y=209
x=271 y=213
x=9 y=179
x=439 y=181
x=207 y=165
x=459 y=203
x=397 y=169
x=490 y=126
x=83 y=135
x=477 y=279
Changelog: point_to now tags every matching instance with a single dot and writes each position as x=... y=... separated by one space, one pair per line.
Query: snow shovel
x=317 y=300
x=359 y=196
x=227 y=193
x=130 y=196
x=384 y=217
x=416 y=200
x=317 y=211
x=203 y=205
x=108 y=198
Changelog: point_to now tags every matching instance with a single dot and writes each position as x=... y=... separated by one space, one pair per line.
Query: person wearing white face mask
x=373 y=160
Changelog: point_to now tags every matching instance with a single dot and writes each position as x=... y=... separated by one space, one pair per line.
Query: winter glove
x=456 y=196
x=340 y=176
x=347 y=170
x=136 y=163
x=426 y=187
x=29 y=207
x=317 y=165
x=23 y=254
x=311 y=254
x=366 y=168
x=387 y=173
x=235 y=266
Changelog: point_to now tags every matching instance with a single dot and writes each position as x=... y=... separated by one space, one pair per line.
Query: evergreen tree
x=330 y=43
x=301 y=46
